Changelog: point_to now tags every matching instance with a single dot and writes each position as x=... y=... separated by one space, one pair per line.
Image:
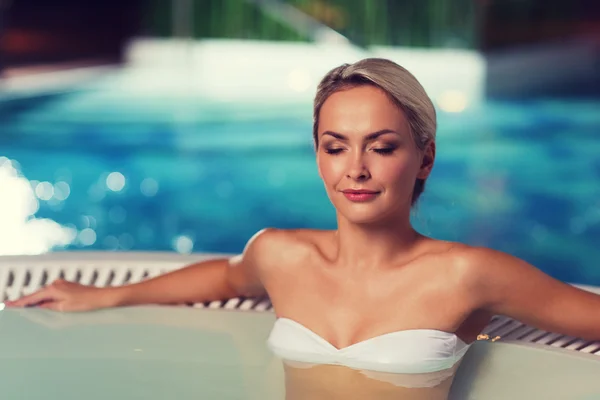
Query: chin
x=373 y=213
x=363 y=215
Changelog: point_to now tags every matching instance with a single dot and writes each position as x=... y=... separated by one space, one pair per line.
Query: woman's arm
x=204 y=281
x=509 y=286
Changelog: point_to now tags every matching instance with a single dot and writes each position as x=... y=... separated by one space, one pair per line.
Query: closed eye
x=333 y=151
x=384 y=151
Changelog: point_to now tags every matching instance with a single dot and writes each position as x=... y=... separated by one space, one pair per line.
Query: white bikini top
x=414 y=351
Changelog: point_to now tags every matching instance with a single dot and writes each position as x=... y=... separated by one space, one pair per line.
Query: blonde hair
x=400 y=85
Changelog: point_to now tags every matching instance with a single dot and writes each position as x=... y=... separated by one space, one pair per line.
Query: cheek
x=330 y=169
x=399 y=172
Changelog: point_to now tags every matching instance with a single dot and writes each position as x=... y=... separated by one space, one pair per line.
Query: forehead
x=361 y=110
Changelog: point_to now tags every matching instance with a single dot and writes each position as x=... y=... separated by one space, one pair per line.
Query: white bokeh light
x=115 y=181
x=20 y=231
x=88 y=221
x=62 y=191
x=44 y=191
x=453 y=101
x=126 y=241
x=111 y=242
x=149 y=187
x=183 y=244
x=87 y=237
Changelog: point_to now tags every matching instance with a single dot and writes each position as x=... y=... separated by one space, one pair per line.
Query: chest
x=347 y=308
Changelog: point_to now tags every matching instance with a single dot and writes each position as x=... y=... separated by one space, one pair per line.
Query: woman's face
x=367 y=157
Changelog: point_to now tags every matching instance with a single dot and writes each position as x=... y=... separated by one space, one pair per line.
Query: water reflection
x=20 y=231
x=305 y=381
x=115 y=181
x=149 y=187
x=183 y=244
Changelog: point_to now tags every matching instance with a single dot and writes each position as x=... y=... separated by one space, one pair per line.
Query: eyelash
x=386 y=151
x=383 y=151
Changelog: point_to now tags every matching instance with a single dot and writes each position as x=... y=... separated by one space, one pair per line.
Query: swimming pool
x=187 y=175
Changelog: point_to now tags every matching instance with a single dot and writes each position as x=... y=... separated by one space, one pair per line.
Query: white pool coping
x=21 y=275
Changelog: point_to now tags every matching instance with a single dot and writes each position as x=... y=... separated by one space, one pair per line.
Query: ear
x=427 y=160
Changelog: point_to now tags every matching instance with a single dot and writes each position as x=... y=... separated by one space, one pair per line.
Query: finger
x=57 y=282
x=32 y=299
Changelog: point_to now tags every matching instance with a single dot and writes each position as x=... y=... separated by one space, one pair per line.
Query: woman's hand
x=207 y=280
x=63 y=295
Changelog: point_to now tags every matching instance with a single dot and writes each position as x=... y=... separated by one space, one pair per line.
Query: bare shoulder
x=271 y=247
x=468 y=260
x=266 y=252
x=469 y=268
x=494 y=272
x=480 y=265
x=454 y=255
x=504 y=284
x=477 y=266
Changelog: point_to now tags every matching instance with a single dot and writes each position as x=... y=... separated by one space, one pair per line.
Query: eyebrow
x=368 y=138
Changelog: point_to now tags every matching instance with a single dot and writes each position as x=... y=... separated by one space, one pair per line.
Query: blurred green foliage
x=231 y=19
x=422 y=23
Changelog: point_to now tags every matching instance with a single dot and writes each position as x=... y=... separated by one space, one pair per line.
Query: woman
x=374 y=279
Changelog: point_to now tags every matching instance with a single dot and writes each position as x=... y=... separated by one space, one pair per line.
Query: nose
x=357 y=170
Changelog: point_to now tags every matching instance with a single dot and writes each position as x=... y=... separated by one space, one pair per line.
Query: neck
x=368 y=246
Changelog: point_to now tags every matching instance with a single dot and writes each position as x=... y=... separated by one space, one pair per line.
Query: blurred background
x=185 y=125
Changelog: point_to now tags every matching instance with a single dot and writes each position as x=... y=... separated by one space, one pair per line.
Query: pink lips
x=360 y=195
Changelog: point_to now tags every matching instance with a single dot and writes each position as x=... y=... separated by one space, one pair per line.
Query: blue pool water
x=195 y=176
